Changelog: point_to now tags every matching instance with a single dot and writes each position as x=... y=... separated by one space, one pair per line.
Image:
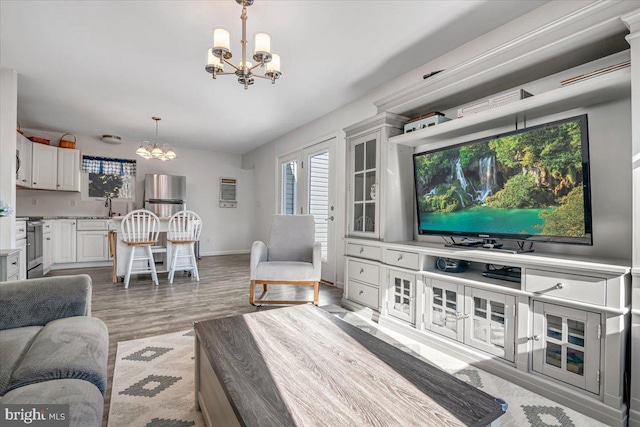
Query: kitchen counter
x=74 y=217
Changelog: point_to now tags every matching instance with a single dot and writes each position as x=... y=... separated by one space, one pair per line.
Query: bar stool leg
x=174 y=262
x=127 y=276
x=194 y=261
x=152 y=264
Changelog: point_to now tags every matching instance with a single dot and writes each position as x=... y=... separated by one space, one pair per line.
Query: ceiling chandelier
x=159 y=152
x=221 y=52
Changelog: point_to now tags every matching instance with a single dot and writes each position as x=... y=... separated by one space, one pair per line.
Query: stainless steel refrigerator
x=165 y=195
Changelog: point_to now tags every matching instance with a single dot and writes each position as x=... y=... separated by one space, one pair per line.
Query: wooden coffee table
x=302 y=366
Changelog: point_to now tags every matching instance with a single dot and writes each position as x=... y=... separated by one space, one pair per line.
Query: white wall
x=263 y=159
x=8 y=118
x=226 y=230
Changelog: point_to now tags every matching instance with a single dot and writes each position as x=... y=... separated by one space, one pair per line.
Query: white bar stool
x=140 y=229
x=184 y=232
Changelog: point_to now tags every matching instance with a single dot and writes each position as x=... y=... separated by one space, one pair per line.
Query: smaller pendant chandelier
x=244 y=70
x=159 y=152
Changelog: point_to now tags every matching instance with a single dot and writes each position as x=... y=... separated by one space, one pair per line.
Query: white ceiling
x=98 y=67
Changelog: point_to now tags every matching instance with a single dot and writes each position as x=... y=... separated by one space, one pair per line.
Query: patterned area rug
x=153 y=382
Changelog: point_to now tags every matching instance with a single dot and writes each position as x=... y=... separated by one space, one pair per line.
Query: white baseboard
x=232 y=252
x=81 y=265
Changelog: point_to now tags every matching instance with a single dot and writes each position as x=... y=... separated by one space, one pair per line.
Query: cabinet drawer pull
x=24 y=180
x=48 y=238
x=361 y=249
x=34 y=183
x=534 y=338
x=20 y=229
x=361 y=292
x=361 y=270
x=16 y=263
x=399 y=257
x=560 y=285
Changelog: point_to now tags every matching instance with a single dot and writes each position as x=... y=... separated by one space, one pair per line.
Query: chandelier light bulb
x=274 y=64
x=221 y=39
x=263 y=43
x=156 y=152
x=170 y=154
x=142 y=151
x=213 y=62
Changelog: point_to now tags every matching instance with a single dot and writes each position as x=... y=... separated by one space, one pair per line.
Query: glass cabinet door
x=567 y=345
x=364 y=184
x=402 y=296
x=490 y=322
x=444 y=309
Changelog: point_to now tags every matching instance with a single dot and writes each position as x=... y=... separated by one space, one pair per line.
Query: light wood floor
x=146 y=310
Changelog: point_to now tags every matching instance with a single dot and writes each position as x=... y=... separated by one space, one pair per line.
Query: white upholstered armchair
x=293 y=257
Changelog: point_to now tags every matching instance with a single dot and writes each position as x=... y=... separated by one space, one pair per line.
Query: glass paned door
x=307 y=181
x=289 y=184
x=490 y=321
x=402 y=296
x=567 y=345
x=364 y=185
x=444 y=303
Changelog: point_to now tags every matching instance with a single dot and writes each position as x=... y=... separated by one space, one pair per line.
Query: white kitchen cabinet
x=22 y=245
x=444 y=304
x=92 y=246
x=47 y=245
x=24 y=148
x=68 y=170
x=45 y=167
x=64 y=241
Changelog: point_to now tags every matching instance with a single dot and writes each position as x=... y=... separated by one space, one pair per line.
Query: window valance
x=108 y=166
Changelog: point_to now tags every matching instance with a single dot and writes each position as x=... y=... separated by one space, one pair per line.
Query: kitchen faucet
x=107 y=203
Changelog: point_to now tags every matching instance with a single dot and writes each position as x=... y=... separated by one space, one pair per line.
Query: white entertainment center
x=563 y=329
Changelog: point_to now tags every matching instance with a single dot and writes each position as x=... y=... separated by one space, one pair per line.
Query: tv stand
x=490 y=244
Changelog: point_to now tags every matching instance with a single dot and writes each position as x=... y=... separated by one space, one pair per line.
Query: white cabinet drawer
x=408 y=260
x=13 y=265
x=367 y=273
x=363 y=294
x=21 y=230
x=591 y=290
x=92 y=224
x=364 y=251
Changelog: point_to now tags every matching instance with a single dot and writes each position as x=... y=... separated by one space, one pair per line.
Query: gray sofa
x=51 y=350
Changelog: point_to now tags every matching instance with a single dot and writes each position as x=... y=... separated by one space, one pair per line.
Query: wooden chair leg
x=264 y=287
x=316 y=292
x=252 y=290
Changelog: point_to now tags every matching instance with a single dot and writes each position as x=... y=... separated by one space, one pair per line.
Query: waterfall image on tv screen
x=528 y=184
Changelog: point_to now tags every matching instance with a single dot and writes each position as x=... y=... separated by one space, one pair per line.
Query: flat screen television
x=530 y=185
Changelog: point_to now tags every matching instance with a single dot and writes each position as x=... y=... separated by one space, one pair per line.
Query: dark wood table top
x=302 y=366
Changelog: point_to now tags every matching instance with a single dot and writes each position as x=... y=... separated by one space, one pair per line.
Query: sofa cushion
x=85 y=400
x=285 y=271
x=36 y=302
x=73 y=347
x=14 y=343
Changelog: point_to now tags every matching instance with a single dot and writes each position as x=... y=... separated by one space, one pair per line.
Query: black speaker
x=451 y=265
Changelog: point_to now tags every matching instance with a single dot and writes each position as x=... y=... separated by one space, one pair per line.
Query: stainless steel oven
x=34 y=248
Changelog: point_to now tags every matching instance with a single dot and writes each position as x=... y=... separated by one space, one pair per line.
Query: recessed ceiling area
x=106 y=67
